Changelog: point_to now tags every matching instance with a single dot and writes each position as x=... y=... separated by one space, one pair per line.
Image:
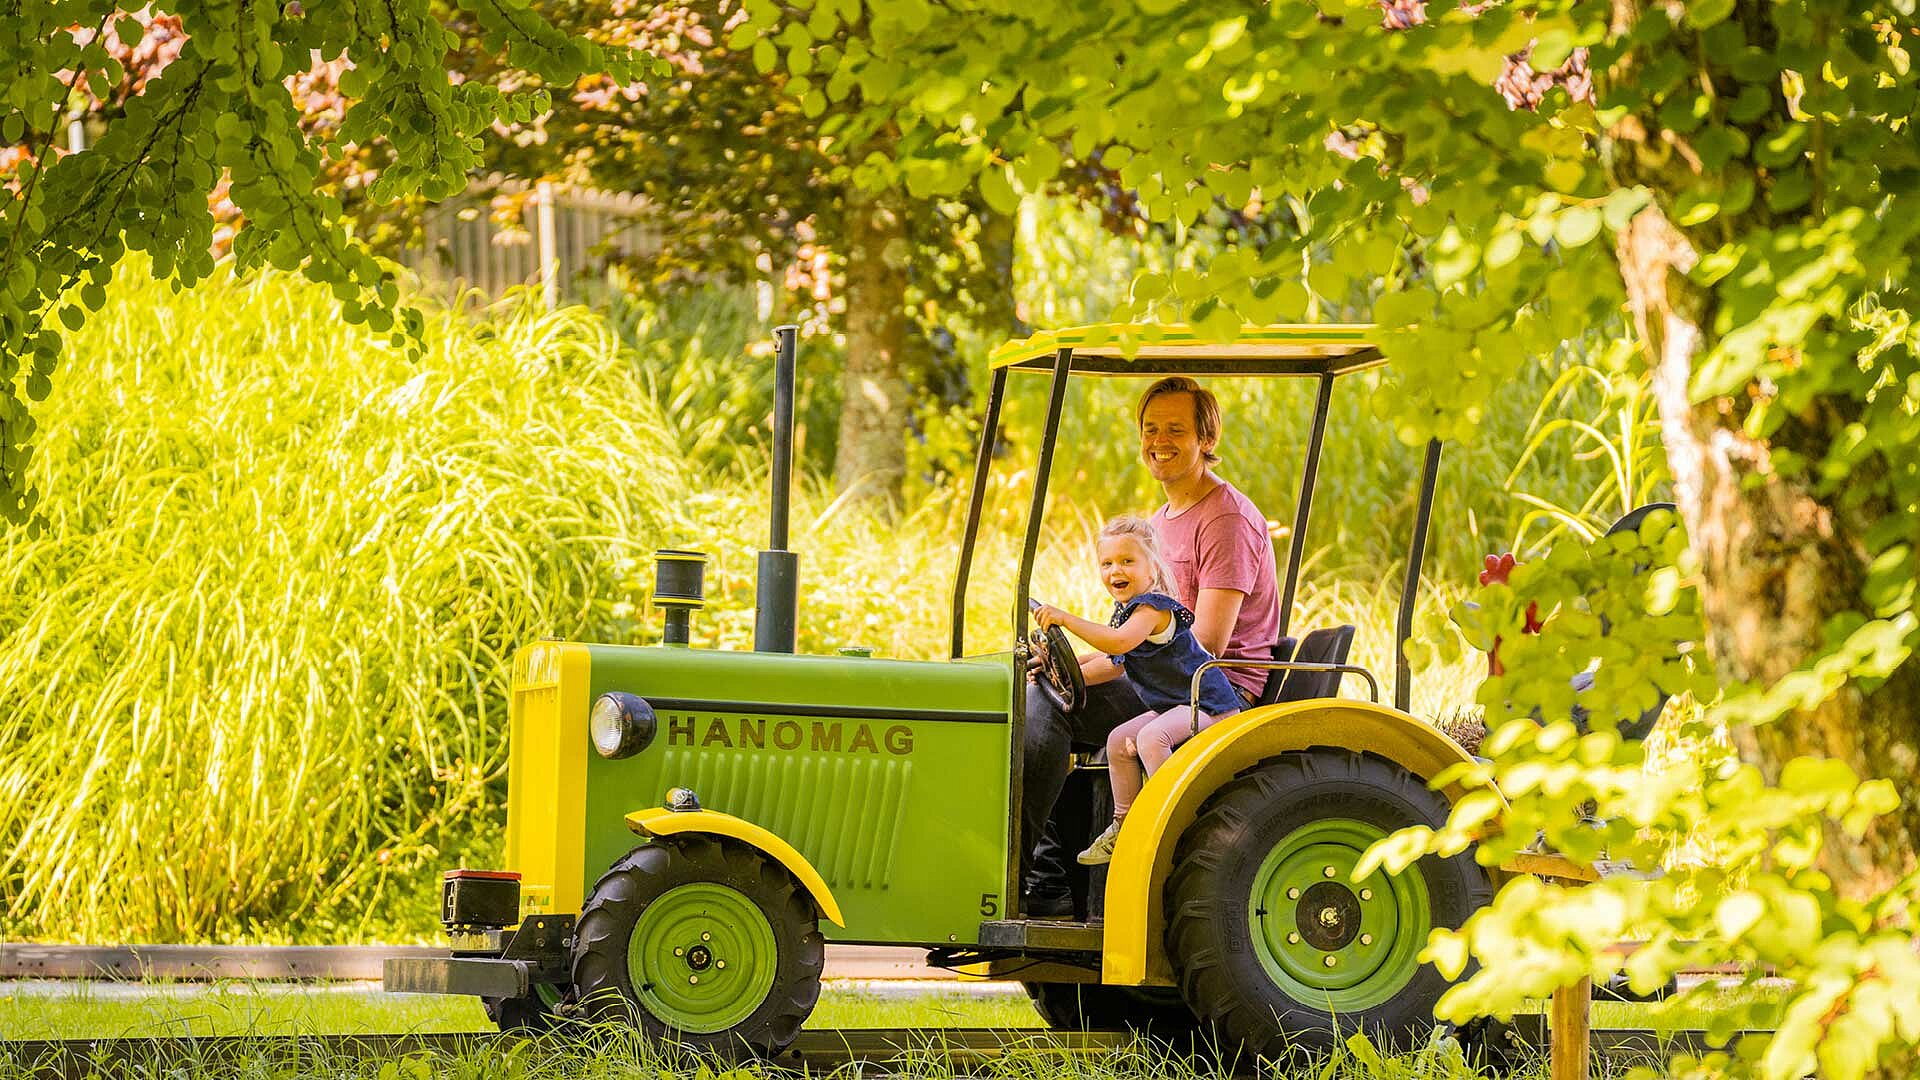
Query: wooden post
x=549 y=245
x=1568 y=1030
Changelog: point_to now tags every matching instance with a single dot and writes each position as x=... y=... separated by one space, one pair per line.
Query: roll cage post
x=976 y=499
x=1303 y=510
x=1410 y=588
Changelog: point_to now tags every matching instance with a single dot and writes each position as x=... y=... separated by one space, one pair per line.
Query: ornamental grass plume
x=256 y=664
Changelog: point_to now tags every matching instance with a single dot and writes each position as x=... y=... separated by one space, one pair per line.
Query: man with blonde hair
x=1216 y=544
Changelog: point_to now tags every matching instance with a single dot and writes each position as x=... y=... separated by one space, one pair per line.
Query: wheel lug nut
x=704 y=936
x=1330 y=961
x=1293 y=939
x=1329 y=871
x=720 y=963
x=1293 y=894
x=1366 y=939
x=696 y=978
x=1366 y=894
x=678 y=951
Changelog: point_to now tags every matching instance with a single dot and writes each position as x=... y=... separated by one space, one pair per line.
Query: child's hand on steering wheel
x=1048 y=616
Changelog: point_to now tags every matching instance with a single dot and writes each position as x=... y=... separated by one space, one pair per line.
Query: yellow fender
x=658 y=821
x=1134 y=950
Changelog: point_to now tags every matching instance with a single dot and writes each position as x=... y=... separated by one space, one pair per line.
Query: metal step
x=1042 y=935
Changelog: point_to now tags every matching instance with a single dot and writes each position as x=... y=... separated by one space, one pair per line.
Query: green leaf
x=1565 y=176
x=1577 y=225
x=997 y=189
x=1504 y=248
x=1622 y=205
x=1328 y=281
x=1790 y=190
x=1701 y=14
x=1551 y=50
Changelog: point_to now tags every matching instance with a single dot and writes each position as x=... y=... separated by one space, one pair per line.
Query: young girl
x=1151 y=640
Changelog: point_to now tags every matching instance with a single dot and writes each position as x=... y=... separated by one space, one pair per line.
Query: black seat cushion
x=1327 y=645
x=1282 y=650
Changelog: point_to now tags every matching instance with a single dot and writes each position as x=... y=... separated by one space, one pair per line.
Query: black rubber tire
x=1209 y=940
x=613 y=910
x=1093 y=1007
x=519 y=1014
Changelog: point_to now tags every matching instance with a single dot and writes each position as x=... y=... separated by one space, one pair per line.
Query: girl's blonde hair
x=1142 y=530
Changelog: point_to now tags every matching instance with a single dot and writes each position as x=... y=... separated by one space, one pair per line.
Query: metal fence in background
x=562 y=239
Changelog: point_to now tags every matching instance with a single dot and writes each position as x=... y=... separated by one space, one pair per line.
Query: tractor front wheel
x=1273 y=941
x=701 y=941
x=525 y=1014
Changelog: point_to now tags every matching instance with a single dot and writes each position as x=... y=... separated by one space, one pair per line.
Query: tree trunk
x=1000 y=313
x=875 y=396
x=1780 y=559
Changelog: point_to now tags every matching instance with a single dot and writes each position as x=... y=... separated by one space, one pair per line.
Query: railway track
x=348 y=963
x=958 y=1050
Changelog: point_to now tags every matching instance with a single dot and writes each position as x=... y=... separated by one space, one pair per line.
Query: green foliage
x=1593 y=413
x=1740 y=178
x=706 y=359
x=1628 y=604
x=222 y=111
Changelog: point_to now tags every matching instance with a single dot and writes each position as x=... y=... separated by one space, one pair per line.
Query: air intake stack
x=679 y=589
x=777 y=587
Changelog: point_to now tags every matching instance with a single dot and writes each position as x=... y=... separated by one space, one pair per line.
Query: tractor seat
x=1282 y=652
x=1328 y=645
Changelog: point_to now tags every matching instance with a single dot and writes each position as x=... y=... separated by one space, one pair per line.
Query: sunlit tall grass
x=255 y=665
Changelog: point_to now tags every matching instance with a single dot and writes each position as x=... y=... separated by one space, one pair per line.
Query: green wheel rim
x=702 y=958
x=1330 y=941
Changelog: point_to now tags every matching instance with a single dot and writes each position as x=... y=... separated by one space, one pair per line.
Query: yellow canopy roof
x=1147 y=349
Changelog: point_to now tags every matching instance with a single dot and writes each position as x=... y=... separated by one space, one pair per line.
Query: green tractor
x=688 y=829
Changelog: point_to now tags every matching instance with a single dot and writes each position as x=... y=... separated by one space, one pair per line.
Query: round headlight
x=621 y=725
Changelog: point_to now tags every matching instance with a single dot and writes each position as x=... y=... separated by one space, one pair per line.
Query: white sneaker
x=1101 y=850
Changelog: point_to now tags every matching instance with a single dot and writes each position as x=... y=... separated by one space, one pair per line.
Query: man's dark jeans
x=1050 y=739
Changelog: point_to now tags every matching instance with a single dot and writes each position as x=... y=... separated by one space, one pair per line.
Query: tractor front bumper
x=489 y=963
x=471 y=976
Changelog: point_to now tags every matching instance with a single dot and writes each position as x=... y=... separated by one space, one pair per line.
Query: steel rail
x=342 y=963
x=81 y=1059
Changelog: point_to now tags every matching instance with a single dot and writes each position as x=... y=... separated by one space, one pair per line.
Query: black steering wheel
x=1060 y=679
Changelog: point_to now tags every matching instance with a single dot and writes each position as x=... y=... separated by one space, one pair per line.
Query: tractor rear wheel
x=1092 y=1007
x=1274 y=944
x=701 y=941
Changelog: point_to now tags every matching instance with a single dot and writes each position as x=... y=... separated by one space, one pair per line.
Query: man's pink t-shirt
x=1221 y=542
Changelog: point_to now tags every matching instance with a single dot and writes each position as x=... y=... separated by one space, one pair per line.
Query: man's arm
x=1214 y=613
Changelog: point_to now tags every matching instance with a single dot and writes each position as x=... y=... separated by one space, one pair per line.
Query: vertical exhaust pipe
x=776 y=589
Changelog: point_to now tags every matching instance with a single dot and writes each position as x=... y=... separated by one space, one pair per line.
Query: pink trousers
x=1137 y=749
